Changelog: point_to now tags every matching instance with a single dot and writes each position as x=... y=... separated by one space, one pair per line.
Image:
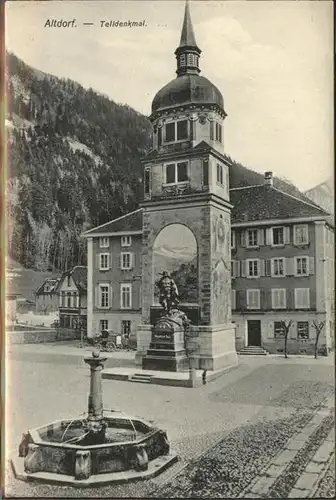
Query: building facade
x=46 y=296
x=278 y=266
x=282 y=270
x=114 y=276
x=72 y=292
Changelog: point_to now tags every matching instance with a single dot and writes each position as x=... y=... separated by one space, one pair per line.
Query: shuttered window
x=253 y=299
x=103 y=296
x=278 y=298
x=302 y=298
x=301 y=234
x=278 y=267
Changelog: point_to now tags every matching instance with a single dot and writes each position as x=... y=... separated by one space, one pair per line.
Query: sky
x=272 y=61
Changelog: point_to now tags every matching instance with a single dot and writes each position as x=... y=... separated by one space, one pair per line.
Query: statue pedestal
x=167 y=347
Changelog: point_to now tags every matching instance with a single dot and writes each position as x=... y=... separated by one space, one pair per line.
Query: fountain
x=97 y=447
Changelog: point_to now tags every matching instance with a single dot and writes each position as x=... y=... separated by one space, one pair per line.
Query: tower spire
x=187 y=53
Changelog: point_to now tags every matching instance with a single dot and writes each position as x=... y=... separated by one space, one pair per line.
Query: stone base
x=164 y=361
x=214 y=347
x=155 y=467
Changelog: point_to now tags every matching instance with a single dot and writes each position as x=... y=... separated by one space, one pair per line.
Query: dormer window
x=176 y=131
x=177 y=172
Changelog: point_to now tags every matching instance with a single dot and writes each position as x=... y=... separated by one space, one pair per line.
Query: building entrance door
x=254 y=332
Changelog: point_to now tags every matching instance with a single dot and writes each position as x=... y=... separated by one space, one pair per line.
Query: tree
x=318 y=328
x=286 y=327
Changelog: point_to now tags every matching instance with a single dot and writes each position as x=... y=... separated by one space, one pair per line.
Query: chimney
x=268 y=179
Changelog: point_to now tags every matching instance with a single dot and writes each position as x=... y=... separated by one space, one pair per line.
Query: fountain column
x=95 y=421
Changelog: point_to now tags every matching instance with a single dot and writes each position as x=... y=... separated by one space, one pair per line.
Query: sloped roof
x=256 y=203
x=128 y=222
x=53 y=284
x=79 y=275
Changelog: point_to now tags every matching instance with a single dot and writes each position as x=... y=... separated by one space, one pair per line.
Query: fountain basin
x=64 y=452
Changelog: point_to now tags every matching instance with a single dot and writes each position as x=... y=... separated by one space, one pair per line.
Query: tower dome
x=188 y=87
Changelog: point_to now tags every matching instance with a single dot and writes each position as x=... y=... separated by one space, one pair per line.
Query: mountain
x=74 y=162
x=323 y=195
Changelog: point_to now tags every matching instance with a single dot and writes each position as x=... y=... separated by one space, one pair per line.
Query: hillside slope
x=324 y=195
x=74 y=162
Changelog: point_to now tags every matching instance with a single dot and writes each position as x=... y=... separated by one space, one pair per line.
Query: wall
x=272 y=345
x=266 y=283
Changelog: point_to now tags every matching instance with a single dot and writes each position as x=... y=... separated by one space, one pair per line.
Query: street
x=239 y=422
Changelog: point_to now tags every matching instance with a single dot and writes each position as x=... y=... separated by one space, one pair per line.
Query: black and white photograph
x=169 y=262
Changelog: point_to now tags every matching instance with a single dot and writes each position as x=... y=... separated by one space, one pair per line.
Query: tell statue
x=168 y=293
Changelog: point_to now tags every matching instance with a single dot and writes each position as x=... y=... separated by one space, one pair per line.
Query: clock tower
x=186 y=181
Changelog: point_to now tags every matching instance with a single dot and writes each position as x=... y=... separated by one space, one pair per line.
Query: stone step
x=253 y=350
x=141 y=377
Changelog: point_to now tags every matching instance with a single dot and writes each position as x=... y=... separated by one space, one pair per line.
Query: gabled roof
x=53 y=284
x=129 y=222
x=79 y=276
x=257 y=203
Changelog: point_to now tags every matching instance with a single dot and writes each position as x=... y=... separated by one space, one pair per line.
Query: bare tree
x=318 y=329
x=286 y=327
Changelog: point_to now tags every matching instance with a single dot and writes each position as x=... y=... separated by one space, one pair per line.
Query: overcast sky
x=271 y=60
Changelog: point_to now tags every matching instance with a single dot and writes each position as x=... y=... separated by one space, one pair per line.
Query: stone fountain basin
x=137 y=450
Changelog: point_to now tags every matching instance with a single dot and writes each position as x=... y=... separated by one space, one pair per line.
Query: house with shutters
x=72 y=293
x=46 y=296
x=281 y=269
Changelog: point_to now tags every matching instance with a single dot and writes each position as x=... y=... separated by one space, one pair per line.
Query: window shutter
x=233 y=269
x=243 y=237
x=237 y=268
x=290 y=266
x=311 y=264
x=121 y=261
x=268 y=267
x=243 y=268
x=286 y=235
x=110 y=261
x=284 y=266
x=233 y=299
x=269 y=239
x=247 y=298
x=294 y=235
x=261 y=237
x=110 y=296
x=98 y=261
x=262 y=267
x=132 y=260
x=97 y=296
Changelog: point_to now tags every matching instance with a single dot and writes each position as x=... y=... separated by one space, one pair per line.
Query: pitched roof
x=79 y=276
x=257 y=203
x=128 y=222
x=53 y=284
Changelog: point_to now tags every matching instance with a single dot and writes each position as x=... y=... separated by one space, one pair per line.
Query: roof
x=257 y=203
x=128 y=222
x=53 y=284
x=187 y=89
x=79 y=276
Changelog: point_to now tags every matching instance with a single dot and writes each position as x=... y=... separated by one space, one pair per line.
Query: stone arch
x=175 y=249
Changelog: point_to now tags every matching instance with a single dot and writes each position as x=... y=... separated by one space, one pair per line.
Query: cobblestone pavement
x=254 y=432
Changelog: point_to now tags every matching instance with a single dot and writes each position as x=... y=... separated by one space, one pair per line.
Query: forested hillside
x=74 y=162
